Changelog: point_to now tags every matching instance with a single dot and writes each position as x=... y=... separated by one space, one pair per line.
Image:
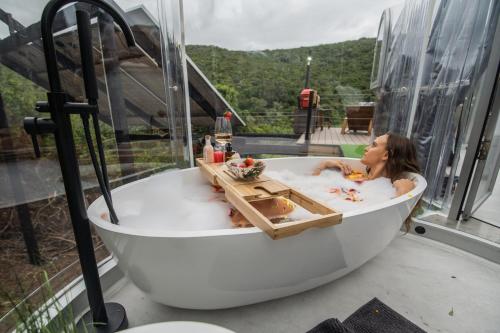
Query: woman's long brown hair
x=402 y=159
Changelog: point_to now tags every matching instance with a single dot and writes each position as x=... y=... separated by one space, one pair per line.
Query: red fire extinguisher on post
x=304 y=96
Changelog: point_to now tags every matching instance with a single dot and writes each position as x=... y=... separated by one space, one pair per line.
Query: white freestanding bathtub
x=222 y=268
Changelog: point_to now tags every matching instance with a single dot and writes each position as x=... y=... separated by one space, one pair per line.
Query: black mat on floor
x=331 y=325
x=373 y=317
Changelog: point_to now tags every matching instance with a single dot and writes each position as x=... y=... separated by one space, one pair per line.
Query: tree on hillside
x=229 y=93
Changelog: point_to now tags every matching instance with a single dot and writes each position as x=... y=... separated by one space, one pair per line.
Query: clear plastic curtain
x=397 y=89
x=458 y=48
x=175 y=78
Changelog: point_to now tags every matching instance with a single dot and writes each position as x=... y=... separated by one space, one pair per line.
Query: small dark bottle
x=229 y=151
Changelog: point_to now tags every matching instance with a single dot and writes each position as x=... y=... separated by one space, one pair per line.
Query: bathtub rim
x=116 y=228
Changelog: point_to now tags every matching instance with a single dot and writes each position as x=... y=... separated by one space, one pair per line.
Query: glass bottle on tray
x=208 y=151
x=230 y=153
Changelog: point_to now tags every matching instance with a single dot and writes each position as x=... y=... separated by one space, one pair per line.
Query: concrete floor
x=437 y=287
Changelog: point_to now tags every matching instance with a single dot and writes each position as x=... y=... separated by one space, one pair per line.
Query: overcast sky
x=270 y=24
x=255 y=24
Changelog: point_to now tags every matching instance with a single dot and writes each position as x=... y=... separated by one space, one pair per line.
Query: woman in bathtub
x=390 y=155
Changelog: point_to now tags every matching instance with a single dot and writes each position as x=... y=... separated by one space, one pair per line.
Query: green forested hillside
x=263 y=85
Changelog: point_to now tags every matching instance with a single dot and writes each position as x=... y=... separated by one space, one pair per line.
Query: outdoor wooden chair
x=358 y=118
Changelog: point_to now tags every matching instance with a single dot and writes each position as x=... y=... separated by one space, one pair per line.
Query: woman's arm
x=334 y=164
x=403 y=186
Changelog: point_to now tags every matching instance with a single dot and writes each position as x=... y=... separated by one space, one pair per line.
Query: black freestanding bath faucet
x=108 y=317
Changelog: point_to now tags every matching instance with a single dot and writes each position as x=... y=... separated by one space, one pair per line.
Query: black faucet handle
x=34 y=126
x=36 y=146
x=31 y=128
x=42 y=106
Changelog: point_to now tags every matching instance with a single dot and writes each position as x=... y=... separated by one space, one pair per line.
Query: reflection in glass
x=223 y=131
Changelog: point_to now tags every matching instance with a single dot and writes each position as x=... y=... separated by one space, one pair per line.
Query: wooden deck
x=332 y=136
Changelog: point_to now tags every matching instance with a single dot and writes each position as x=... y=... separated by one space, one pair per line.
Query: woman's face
x=376 y=152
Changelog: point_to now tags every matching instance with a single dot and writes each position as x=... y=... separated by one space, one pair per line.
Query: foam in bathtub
x=319 y=187
x=191 y=207
x=174 y=203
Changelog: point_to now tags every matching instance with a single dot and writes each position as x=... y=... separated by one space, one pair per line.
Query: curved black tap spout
x=48 y=16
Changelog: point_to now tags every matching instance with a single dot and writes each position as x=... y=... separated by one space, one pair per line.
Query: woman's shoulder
x=404 y=185
x=405 y=175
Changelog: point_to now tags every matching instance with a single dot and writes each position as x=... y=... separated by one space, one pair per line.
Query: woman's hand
x=403 y=186
x=345 y=168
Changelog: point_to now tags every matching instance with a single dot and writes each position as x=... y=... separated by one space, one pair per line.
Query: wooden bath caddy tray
x=240 y=193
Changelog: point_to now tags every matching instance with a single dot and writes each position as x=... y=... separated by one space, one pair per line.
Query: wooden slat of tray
x=207 y=171
x=261 y=188
x=308 y=203
x=249 y=211
x=293 y=228
x=276 y=231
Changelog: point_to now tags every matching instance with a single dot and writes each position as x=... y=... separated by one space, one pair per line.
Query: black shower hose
x=100 y=171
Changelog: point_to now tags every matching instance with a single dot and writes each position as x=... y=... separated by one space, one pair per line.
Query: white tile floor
x=421 y=279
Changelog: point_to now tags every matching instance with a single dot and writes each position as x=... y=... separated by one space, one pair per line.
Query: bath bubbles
x=337 y=192
x=174 y=202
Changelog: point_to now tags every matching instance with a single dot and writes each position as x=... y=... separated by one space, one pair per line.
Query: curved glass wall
x=260 y=58
x=143 y=119
x=396 y=90
x=380 y=50
x=458 y=49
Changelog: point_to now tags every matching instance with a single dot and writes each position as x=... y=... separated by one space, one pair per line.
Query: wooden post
x=309 y=117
